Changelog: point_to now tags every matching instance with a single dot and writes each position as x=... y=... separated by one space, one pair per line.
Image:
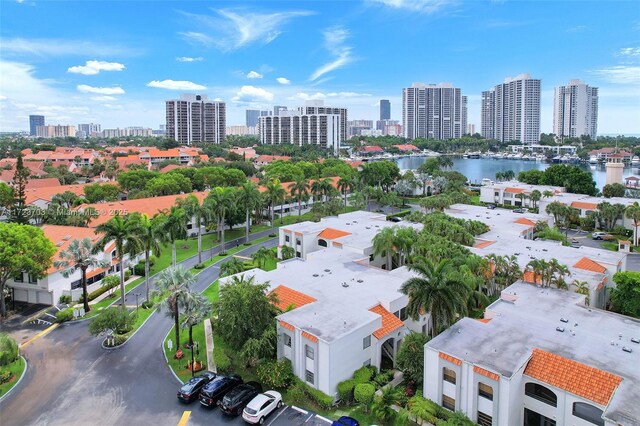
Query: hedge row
x=100 y=291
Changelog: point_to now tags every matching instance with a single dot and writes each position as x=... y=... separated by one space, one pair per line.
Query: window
x=448 y=403
x=366 y=342
x=298 y=254
x=485 y=391
x=33 y=279
x=370 y=258
x=308 y=376
x=484 y=419
x=297 y=241
x=287 y=339
x=588 y=412
x=367 y=363
x=541 y=393
x=322 y=243
x=287 y=238
x=403 y=314
x=448 y=375
x=309 y=351
x=19 y=278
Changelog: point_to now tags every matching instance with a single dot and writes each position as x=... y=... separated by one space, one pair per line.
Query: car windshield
x=250 y=410
x=187 y=388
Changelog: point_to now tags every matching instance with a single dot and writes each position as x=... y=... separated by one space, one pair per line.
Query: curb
x=130 y=337
x=167 y=359
x=24 y=372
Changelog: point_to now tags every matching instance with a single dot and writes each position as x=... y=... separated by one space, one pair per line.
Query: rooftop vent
x=348 y=223
x=361 y=281
x=564 y=320
x=316 y=275
x=327 y=270
x=560 y=329
x=66 y=237
x=627 y=349
x=345 y=285
x=59 y=244
x=635 y=340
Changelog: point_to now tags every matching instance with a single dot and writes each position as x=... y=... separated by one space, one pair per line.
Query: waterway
x=477 y=169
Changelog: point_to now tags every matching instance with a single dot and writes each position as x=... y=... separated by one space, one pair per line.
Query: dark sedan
x=190 y=390
x=237 y=398
x=345 y=421
x=213 y=391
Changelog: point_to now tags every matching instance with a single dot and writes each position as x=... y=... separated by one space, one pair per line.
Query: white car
x=261 y=406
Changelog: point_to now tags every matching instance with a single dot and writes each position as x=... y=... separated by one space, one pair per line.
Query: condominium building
x=511 y=110
x=252 y=117
x=90 y=130
x=471 y=129
x=355 y=127
x=277 y=109
x=318 y=107
x=34 y=122
x=242 y=130
x=193 y=118
x=539 y=356
x=127 y=131
x=575 y=110
x=433 y=111
x=385 y=109
x=299 y=128
x=58 y=131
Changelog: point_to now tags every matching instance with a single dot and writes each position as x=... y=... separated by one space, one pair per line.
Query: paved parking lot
x=285 y=416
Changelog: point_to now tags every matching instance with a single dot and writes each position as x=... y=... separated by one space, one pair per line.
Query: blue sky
x=115 y=62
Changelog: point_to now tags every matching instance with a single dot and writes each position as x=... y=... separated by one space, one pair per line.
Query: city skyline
x=241 y=54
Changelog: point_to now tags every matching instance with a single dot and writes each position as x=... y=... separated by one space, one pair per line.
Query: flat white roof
x=525 y=186
x=501 y=221
x=568 y=198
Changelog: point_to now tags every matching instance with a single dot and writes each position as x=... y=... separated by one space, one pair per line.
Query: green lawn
x=16 y=367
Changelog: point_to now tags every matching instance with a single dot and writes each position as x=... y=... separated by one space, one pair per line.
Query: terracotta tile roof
x=531 y=277
x=572 y=376
x=590 y=265
x=584 y=206
x=370 y=148
x=42 y=183
x=62 y=236
x=512 y=190
x=331 y=234
x=449 y=358
x=484 y=320
x=310 y=337
x=289 y=297
x=170 y=167
x=525 y=221
x=286 y=325
x=269 y=158
x=407 y=147
x=486 y=373
x=47 y=193
x=483 y=244
x=390 y=322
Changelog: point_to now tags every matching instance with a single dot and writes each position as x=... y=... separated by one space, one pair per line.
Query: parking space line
x=318 y=416
x=284 y=408
x=185 y=418
x=42 y=333
x=308 y=418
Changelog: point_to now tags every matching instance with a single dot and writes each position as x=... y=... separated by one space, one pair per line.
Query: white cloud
x=620 y=74
x=175 y=85
x=94 y=67
x=422 y=6
x=83 y=88
x=347 y=94
x=283 y=80
x=334 y=38
x=189 y=59
x=629 y=51
x=103 y=98
x=306 y=96
x=232 y=30
x=254 y=74
x=576 y=29
x=62 y=47
x=248 y=94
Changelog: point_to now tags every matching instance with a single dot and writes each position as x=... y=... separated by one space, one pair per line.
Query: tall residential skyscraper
x=277 y=109
x=58 y=131
x=252 y=117
x=89 y=129
x=434 y=111
x=511 y=111
x=317 y=107
x=575 y=110
x=301 y=128
x=385 y=109
x=34 y=122
x=193 y=118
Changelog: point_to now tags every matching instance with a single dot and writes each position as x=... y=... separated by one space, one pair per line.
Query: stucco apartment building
x=504 y=193
x=339 y=313
x=538 y=357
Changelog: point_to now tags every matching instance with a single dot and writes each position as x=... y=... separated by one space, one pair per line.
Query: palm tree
x=176 y=282
x=274 y=194
x=248 y=198
x=435 y=291
x=79 y=256
x=382 y=404
x=287 y=252
x=193 y=209
x=405 y=237
x=345 y=185
x=556 y=209
x=261 y=256
x=582 y=287
x=633 y=212
x=521 y=196
x=150 y=236
x=535 y=197
x=445 y=162
x=316 y=190
x=547 y=193
x=197 y=308
x=231 y=267
x=300 y=190
x=125 y=233
x=384 y=244
x=174 y=225
x=222 y=202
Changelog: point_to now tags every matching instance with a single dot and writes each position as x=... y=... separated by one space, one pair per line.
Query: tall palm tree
x=287 y=252
x=316 y=190
x=274 y=194
x=384 y=244
x=556 y=209
x=633 y=212
x=435 y=291
x=262 y=256
x=79 y=256
x=345 y=185
x=125 y=233
x=231 y=267
x=582 y=287
x=222 y=203
x=150 y=236
x=535 y=197
x=194 y=209
x=176 y=282
x=327 y=188
x=249 y=199
x=174 y=225
x=300 y=190
x=197 y=308
x=405 y=237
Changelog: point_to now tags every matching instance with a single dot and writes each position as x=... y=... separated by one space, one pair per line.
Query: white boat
x=593 y=159
x=486 y=182
x=526 y=157
x=498 y=156
x=635 y=161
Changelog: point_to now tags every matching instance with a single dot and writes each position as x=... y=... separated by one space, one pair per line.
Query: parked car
x=213 y=391
x=237 y=398
x=261 y=406
x=491 y=206
x=345 y=421
x=518 y=210
x=189 y=391
x=600 y=235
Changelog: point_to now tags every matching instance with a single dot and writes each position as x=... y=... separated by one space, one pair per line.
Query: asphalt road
x=71 y=380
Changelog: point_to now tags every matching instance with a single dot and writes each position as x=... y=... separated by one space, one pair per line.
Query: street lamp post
x=136 y=295
x=193 y=366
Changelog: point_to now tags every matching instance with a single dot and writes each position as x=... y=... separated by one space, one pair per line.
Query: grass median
x=16 y=368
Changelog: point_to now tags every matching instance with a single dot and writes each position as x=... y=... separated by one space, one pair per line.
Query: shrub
x=223 y=363
x=139 y=269
x=363 y=393
x=118 y=320
x=8 y=349
x=127 y=274
x=65 y=299
x=364 y=374
x=64 y=315
x=275 y=374
x=323 y=400
x=383 y=378
x=114 y=340
x=199 y=266
x=345 y=390
x=147 y=304
x=296 y=393
x=107 y=284
x=5 y=376
x=620 y=230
